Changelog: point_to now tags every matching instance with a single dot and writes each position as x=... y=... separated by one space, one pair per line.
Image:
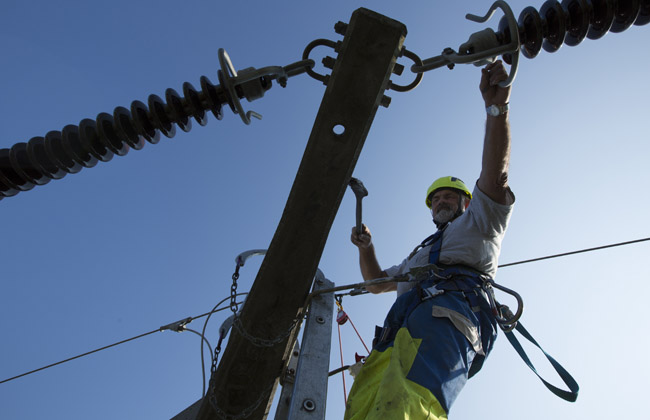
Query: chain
x=261 y=342
x=244 y=413
x=233 y=290
x=234 y=307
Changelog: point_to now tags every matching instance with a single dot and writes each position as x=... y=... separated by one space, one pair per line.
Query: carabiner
x=509 y=319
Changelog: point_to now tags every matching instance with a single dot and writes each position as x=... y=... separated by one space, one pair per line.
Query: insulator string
x=58 y=153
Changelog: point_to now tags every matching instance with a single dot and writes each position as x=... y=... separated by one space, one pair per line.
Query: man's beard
x=444 y=214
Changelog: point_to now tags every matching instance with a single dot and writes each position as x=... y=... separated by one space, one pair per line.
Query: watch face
x=493 y=110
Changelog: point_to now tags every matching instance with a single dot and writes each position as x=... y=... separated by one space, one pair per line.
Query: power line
x=163 y=328
x=575 y=252
x=218 y=310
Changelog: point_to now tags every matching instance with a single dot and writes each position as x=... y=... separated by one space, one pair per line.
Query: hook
x=241 y=258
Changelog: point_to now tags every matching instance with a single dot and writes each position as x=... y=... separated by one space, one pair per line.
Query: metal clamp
x=482 y=47
x=230 y=80
x=418 y=77
x=335 y=45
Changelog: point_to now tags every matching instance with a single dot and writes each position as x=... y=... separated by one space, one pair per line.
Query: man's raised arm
x=493 y=180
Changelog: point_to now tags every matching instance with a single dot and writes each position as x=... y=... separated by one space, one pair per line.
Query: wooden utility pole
x=248 y=373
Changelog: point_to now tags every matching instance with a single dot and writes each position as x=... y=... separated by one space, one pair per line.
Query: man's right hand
x=362 y=240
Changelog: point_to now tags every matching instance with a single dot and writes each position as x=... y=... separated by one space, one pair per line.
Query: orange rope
x=345 y=393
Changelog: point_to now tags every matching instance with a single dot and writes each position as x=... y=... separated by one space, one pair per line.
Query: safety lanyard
x=570 y=395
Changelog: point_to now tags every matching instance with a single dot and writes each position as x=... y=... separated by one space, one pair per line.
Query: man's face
x=444 y=205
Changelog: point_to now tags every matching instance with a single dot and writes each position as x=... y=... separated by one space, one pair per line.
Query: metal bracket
x=309 y=392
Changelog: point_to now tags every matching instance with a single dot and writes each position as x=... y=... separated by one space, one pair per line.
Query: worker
x=441 y=327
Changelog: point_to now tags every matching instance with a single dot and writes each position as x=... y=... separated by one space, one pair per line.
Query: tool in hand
x=359 y=191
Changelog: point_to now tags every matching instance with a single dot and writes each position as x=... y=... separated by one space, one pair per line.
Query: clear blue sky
x=150 y=238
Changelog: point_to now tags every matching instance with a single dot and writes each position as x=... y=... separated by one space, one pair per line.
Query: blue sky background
x=150 y=238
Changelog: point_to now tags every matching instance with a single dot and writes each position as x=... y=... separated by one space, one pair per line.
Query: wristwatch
x=496 y=110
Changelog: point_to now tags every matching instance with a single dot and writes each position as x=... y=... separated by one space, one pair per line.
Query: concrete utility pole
x=248 y=373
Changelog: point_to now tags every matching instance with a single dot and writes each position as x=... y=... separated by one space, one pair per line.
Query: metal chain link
x=244 y=413
x=233 y=290
x=234 y=307
x=261 y=342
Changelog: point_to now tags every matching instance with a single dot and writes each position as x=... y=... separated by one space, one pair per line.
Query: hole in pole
x=338 y=129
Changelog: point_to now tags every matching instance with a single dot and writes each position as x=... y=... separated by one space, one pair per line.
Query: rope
x=345 y=392
x=358 y=335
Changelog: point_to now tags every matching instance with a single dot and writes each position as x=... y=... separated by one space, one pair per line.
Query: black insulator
x=571 y=21
x=57 y=154
x=21 y=163
x=123 y=126
x=159 y=117
x=579 y=15
x=90 y=140
x=194 y=103
x=505 y=37
x=38 y=154
x=42 y=159
x=214 y=103
x=554 y=22
x=75 y=149
x=531 y=32
x=11 y=183
x=644 y=13
x=107 y=135
x=602 y=18
x=141 y=123
x=177 y=111
x=625 y=14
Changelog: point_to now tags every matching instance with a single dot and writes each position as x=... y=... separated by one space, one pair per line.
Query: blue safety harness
x=471 y=283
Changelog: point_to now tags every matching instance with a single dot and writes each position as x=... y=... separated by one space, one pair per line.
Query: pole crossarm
x=243 y=385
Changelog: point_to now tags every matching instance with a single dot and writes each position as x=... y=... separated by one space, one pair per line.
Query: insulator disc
x=531 y=32
x=602 y=18
x=625 y=14
x=504 y=36
x=141 y=123
x=7 y=188
x=159 y=117
x=193 y=101
x=579 y=12
x=176 y=110
x=90 y=140
x=210 y=94
x=10 y=177
x=644 y=13
x=107 y=135
x=123 y=126
x=554 y=22
x=39 y=156
x=58 y=155
x=73 y=147
x=22 y=163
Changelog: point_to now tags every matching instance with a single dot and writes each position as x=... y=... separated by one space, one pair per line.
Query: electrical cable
x=574 y=252
x=209 y=348
x=205 y=325
x=117 y=344
x=208 y=314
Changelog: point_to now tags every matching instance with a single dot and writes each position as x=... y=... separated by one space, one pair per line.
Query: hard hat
x=447 y=182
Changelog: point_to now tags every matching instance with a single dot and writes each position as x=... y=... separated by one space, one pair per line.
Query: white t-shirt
x=473 y=239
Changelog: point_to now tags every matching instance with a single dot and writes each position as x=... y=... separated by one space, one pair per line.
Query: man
x=440 y=328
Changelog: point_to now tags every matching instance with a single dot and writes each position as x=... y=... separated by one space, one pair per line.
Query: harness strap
x=436 y=244
x=570 y=395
